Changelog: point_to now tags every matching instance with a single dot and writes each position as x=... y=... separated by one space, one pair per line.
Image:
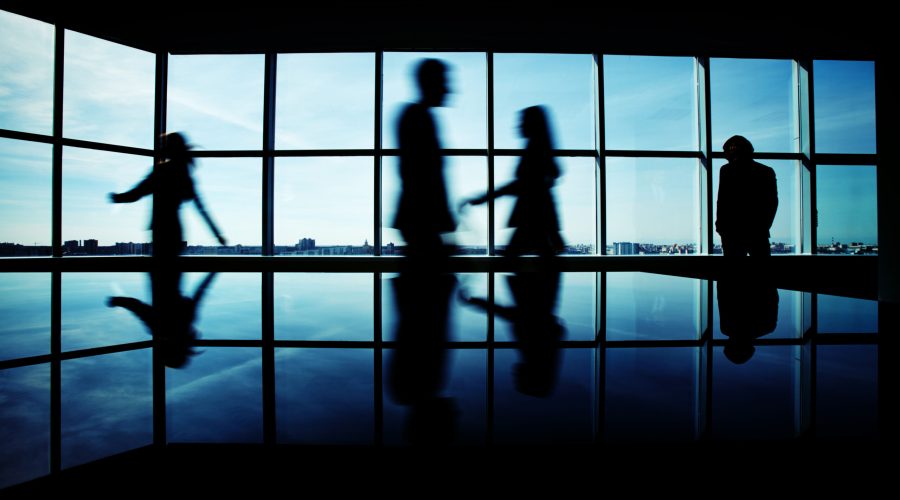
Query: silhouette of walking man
x=423 y=212
x=748 y=200
x=171 y=184
x=534 y=215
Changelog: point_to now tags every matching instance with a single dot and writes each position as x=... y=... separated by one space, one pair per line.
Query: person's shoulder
x=764 y=168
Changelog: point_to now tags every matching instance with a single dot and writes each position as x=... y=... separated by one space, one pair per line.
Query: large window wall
x=297 y=152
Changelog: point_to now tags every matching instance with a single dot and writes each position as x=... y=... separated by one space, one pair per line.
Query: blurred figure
x=423 y=212
x=748 y=309
x=534 y=215
x=171 y=317
x=417 y=368
x=537 y=330
x=748 y=201
x=171 y=184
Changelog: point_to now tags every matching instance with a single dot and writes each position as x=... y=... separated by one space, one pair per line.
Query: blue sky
x=327 y=101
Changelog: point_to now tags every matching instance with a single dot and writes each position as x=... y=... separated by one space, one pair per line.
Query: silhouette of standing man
x=423 y=212
x=748 y=200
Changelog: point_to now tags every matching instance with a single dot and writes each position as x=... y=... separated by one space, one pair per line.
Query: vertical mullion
x=268 y=248
x=490 y=149
x=268 y=161
x=268 y=358
x=378 y=361
x=600 y=145
x=377 y=161
x=811 y=130
x=158 y=358
x=56 y=174
x=490 y=360
x=704 y=118
x=55 y=371
x=809 y=213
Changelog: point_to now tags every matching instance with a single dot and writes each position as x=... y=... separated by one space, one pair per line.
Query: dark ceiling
x=348 y=26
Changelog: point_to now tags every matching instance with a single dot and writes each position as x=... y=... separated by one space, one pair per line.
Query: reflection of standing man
x=423 y=212
x=748 y=200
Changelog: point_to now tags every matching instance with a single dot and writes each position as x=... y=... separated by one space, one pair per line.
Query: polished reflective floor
x=377 y=359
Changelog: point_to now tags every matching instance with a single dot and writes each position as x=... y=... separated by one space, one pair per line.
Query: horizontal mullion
x=78 y=143
x=80 y=353
x=845 y=159
x=588 y=153
x=719 y=155
x=26 y=136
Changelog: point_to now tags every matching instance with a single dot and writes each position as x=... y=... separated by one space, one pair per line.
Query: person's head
x=738 y=148
x=739 y=350
x=175 y=146
x=534 y=125
x=431 y=76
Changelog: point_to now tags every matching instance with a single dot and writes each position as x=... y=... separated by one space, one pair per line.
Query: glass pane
x=464 y=323
x=461 y=393
x=574 y=304
x=324 y=306
x=575 y=197
x=231 y=190
x=754 y=98
x=24 y=423
x=24 y=315
x=464 y=177
x=25 y=198
x=89 y=176
x=217 y=100
x=769 y=313
x=847 y=208
x=564 y=84
x=462 y=121
x=88 y=320
x=785 y=231
x=107 y=405
x=755 y=399
x=650 y=103
x=644 y=306
x=846 y=315
x=652 y=206
x=538 y=403
x=216 y=398
x=310 y=410
x=108 y=95
x=26 y=87
x=846 y=391
x=327 y=200
x=651 y=393
x=845 y=106
x=230 y=307
x=325 y=101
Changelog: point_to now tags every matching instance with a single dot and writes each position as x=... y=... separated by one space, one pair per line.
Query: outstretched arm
x=143 y=188
x=511 y=188
x=208 y=219
x=144 y=312
x=201 y=289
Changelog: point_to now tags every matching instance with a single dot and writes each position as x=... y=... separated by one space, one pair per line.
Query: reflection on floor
x=313 y=359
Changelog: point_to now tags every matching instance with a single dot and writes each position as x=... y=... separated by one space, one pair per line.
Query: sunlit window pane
x=88 y=319
x=574 y=193
x=785 y=232
x=24 y=315
x=465 y=177
x=564 y=84
x=217 y=100
x=845 y=106
x=754 y=98
x=108 y=95
x=230 y=306
x=652 y=206
x=848 y=212
x=650 y=103
x=324 y=306
x=325 y=101
x=231 y=192
x=329 y=200
x=24 y=197
x=462 y=122
x=89 y=176
x=26 y=66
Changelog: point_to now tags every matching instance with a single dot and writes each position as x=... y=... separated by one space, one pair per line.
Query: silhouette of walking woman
x=534 y=215
x=171 y=184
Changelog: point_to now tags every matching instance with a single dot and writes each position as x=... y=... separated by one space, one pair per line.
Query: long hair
x=175 y=147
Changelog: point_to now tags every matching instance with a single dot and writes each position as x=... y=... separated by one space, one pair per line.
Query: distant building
x=306 y=244
x=71 y=247
x=90 y=247
x=624 y=248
